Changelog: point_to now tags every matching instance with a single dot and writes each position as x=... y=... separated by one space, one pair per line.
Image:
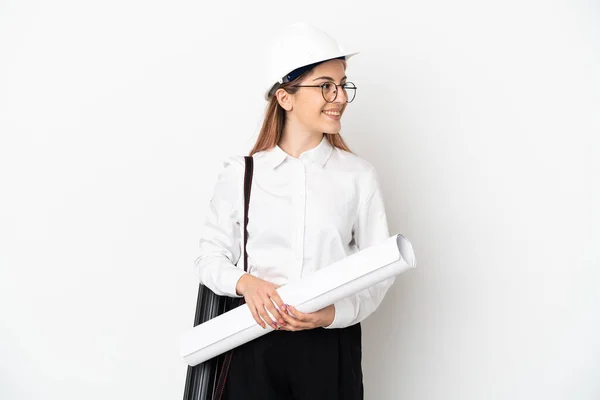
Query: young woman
x=313 y=202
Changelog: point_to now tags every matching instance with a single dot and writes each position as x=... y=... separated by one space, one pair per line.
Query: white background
x=482 y=119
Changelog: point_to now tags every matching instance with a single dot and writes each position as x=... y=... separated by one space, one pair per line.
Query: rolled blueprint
x=341 y=279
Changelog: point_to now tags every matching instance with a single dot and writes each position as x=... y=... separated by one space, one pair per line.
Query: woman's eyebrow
x=328 y=78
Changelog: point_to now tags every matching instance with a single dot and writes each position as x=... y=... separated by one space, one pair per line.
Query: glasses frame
x=322 y=86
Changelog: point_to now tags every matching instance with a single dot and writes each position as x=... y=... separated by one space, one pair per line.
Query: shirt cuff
x=344 y=313
x=230 y=277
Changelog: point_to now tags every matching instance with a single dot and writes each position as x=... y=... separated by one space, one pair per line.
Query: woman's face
x=310 y=110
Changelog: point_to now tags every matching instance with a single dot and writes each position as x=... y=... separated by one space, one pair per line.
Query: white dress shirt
x=305 y=213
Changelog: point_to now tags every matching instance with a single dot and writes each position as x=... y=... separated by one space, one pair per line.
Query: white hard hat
x=299 y=45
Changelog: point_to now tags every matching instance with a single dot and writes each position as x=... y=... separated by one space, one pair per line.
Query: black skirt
x=312 y=364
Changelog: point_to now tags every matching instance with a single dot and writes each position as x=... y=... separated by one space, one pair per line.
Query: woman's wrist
x=241 y=284
x=328 y=315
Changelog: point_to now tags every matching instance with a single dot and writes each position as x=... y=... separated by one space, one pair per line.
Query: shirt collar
x=318 y=155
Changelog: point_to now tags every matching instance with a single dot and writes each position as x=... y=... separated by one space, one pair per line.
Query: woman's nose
x=342 y=96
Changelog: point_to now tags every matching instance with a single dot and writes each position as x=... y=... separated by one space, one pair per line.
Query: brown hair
x=272 y=127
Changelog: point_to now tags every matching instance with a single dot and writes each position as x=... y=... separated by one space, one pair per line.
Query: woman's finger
x=262 y=311
x=296 y=324
x=288 y=319
x=275 y=297
x=254 y=312
x=288 y=328
x=252 y=308
x=288 y=325
x=271 y=307
x=300 y=315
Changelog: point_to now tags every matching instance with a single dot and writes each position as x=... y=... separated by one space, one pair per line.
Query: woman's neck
x=295 y=142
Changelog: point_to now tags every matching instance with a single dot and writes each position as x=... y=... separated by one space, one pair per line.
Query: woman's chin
x=332 y=127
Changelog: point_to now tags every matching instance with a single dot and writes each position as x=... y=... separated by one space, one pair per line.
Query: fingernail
x=281 y=322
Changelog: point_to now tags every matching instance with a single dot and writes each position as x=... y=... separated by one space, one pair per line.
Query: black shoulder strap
x=224 y=370
x=247 y=187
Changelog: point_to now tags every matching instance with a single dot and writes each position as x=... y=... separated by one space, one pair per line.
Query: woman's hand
x=260 y=295
x=298 y=321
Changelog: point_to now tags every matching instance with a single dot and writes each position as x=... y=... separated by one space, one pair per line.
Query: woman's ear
x=284 y=99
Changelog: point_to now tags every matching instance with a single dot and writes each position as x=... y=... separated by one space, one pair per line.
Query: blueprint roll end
x=406 y=250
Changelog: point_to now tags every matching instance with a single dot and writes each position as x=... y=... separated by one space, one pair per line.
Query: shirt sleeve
x=220 y=242
x=371 y=228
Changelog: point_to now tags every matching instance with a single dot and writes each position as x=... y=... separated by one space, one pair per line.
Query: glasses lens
x=350 y=90
x=329 y=91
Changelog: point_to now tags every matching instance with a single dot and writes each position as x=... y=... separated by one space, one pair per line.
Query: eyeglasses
x=330 y=90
